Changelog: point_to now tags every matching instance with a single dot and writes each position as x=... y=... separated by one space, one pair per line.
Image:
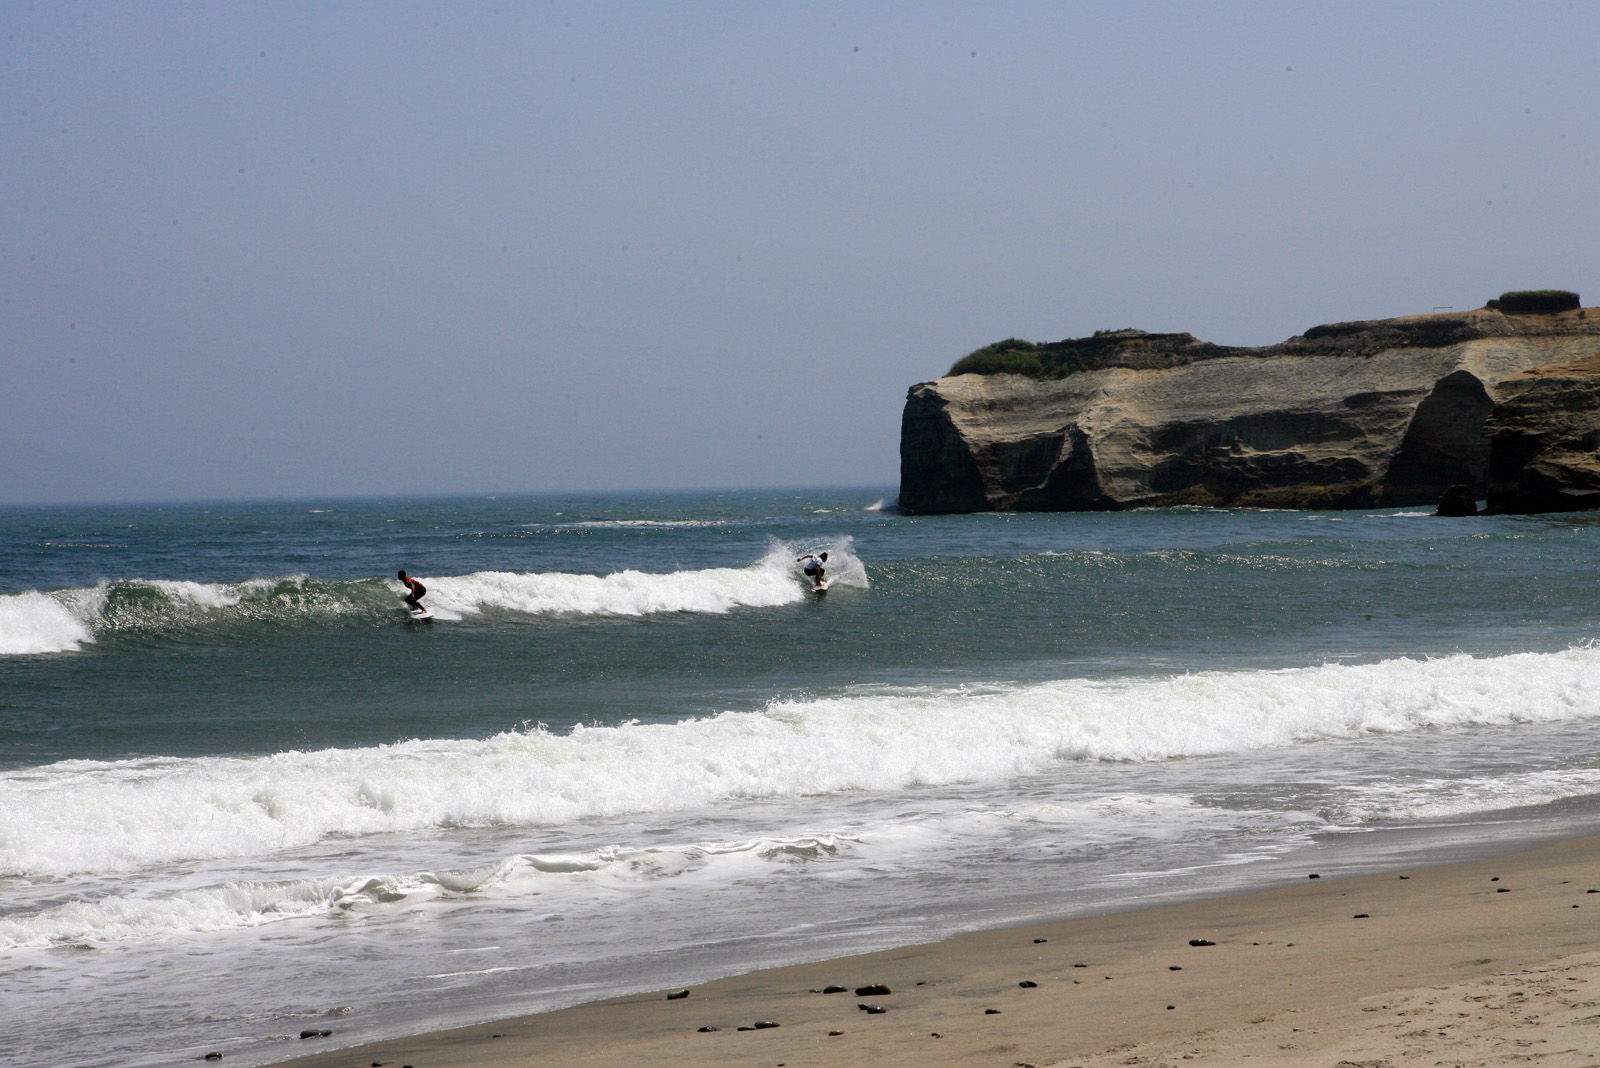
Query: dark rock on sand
x=991 y=1012
x=677 y=994
x=706 y=1028
x=1036 y=941
x=1174 y=967
x=1357 y=916
x=762 y=1025
x=315 y=1034
x=870 y=1009
x=1201 y=942
x=1313 y=875
x=214 y=1055
x=872 y=990
x=835 y=989
x=1028 y=984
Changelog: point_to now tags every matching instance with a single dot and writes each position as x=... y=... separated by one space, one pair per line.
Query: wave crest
x=116 y=816
x=64 y=620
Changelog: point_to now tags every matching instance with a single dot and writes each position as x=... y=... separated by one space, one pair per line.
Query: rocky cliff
x=1544 y=439
x=1386 y=412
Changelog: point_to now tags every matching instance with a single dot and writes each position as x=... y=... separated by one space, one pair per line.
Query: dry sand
x=1490 y=962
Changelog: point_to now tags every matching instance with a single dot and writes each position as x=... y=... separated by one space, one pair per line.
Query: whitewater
x=632 y=751
x=64 y=620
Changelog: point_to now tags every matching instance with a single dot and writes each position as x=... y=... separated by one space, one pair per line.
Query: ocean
x=242 y=795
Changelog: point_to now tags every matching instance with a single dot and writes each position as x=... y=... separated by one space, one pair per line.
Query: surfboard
x=419 y=614
x=821 y=587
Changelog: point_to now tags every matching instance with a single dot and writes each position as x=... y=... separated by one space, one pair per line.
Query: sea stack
x=1504 y=400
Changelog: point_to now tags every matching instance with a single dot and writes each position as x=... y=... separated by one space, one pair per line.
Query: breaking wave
x=87 y=816
x=63 y=621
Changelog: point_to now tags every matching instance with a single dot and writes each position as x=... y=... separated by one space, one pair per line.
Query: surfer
x=414 y=593
x=814 y=569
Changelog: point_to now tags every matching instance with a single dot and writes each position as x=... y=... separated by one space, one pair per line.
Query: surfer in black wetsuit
x=414 y=592
x=814 y=568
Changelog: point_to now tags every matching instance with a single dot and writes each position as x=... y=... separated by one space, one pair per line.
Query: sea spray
x=33 y=622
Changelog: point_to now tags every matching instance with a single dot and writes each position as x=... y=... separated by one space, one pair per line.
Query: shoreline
x=1487 y=957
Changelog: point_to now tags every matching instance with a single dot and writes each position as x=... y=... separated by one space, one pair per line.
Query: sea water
x=243 y=795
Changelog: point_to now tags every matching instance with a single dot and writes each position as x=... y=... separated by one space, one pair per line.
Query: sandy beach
x=1486 y=962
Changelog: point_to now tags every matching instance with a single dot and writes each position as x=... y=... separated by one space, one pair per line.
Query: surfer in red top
x=414 y=592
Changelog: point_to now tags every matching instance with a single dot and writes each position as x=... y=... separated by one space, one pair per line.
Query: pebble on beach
x=315 y=1034
x=1201 y=942
x=835 y=988
x=872 y=990
x=1028 y=984
x=677 y=994
x=706 y=1028
x=991 y=1012
x=870 y=1009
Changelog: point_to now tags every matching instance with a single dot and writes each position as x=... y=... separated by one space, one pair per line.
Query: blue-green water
x=633 y=750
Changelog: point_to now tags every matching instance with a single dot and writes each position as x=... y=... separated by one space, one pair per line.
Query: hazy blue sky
x=280 y=249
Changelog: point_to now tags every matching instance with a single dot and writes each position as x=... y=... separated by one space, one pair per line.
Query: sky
x=347 y=249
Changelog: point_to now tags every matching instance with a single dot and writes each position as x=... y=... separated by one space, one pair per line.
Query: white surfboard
x=419 y=613
x=820 y=587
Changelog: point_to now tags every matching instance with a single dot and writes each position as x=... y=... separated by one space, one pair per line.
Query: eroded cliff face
x=1545 y=440
x=1390 y=412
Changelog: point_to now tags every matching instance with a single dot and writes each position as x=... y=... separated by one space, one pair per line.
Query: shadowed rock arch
x=1444 y=446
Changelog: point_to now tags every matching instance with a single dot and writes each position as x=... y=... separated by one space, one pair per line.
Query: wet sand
x=1491 y=961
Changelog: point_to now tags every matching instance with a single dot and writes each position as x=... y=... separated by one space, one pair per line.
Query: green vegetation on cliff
x=1535 y=302
x=1107 y=348
x=1013 y=356
x=1142 y=351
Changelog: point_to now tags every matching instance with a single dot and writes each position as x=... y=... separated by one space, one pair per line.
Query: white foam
x=34 y=622
x=642 y=524
x=200 y=594
x=136 y=917
x=62 y=620
x=1423 y=799
x=768 y=583
x=85 y=816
